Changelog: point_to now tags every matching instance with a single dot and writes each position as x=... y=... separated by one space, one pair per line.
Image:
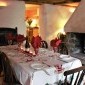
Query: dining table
x=45 y=68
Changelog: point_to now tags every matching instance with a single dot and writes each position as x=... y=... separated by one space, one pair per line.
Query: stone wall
x=75 y=42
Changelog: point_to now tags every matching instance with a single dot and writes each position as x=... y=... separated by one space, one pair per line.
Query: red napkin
x=58 y=42
x=20 y=38
x=28 y=60
x=36 y=43
x=58 y=68
x=55 y=43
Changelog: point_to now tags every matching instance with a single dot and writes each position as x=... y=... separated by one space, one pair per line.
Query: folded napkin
x=58 y=42
x=58 y=68
x=36 y=43
x=55 y=43
x=20 y=38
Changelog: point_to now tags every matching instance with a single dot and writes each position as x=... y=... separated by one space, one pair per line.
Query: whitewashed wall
x=76 y=23
x=13 y=16
x=52 y=20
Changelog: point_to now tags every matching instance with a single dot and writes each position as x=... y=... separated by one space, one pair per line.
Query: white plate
x=37 y=65
x=64 y=56
x=68 y=59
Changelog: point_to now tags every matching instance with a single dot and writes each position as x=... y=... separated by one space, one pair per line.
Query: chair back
x=9 y=75
x=80 y=72
x=9 y=38
x=7 y=34
x=44 y=44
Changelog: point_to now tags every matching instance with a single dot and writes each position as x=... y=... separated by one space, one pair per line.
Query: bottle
x=27 y=45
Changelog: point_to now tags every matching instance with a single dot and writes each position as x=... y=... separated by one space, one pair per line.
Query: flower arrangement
x=28 y=22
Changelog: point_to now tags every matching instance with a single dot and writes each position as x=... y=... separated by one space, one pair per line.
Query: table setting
x=47 y=67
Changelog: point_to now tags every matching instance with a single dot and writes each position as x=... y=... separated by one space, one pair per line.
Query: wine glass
x=36 y=50
x=9 y=42
x=55 y=49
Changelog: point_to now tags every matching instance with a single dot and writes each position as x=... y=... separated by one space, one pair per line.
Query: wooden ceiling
x=49 y=1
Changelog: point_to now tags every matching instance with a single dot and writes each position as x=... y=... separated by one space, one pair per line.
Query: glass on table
x=10 y=42
x=56 y=55
x=55 y=49
x=36 y=51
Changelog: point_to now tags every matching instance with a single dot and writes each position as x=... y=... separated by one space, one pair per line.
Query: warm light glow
x=34 y=23
x=71 y=9
x=31 y=6
x=35 y=32
x=2 y=4
x=61 y=22
x=62 y=31
x=52 y=36
x=32 y=12
x=75 y=4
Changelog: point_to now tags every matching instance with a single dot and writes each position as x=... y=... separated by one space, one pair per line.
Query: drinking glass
x=36 y=51
x=9 y=42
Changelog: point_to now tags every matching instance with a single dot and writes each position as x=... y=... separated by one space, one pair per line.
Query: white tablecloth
x=25 y=69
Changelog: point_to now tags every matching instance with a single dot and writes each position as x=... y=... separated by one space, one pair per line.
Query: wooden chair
x=80 y=75
x=9 y=74
x=44 y=44
x=9 y=38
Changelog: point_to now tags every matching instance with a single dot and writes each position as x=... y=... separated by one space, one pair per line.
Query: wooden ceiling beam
x=44 y=1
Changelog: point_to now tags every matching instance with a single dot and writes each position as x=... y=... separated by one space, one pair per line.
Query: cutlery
x=63 y=60
x=45 y=71
x=45 y=64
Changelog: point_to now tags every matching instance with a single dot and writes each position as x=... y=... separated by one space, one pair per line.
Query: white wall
x=13 y=16
x=76 y=23
x=52 y=20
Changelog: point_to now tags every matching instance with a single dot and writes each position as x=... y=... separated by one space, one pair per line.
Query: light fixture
x=3 y=4
x=72 y=9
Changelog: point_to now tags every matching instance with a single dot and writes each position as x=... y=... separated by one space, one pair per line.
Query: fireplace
x=3 y=34
x=75 y=42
